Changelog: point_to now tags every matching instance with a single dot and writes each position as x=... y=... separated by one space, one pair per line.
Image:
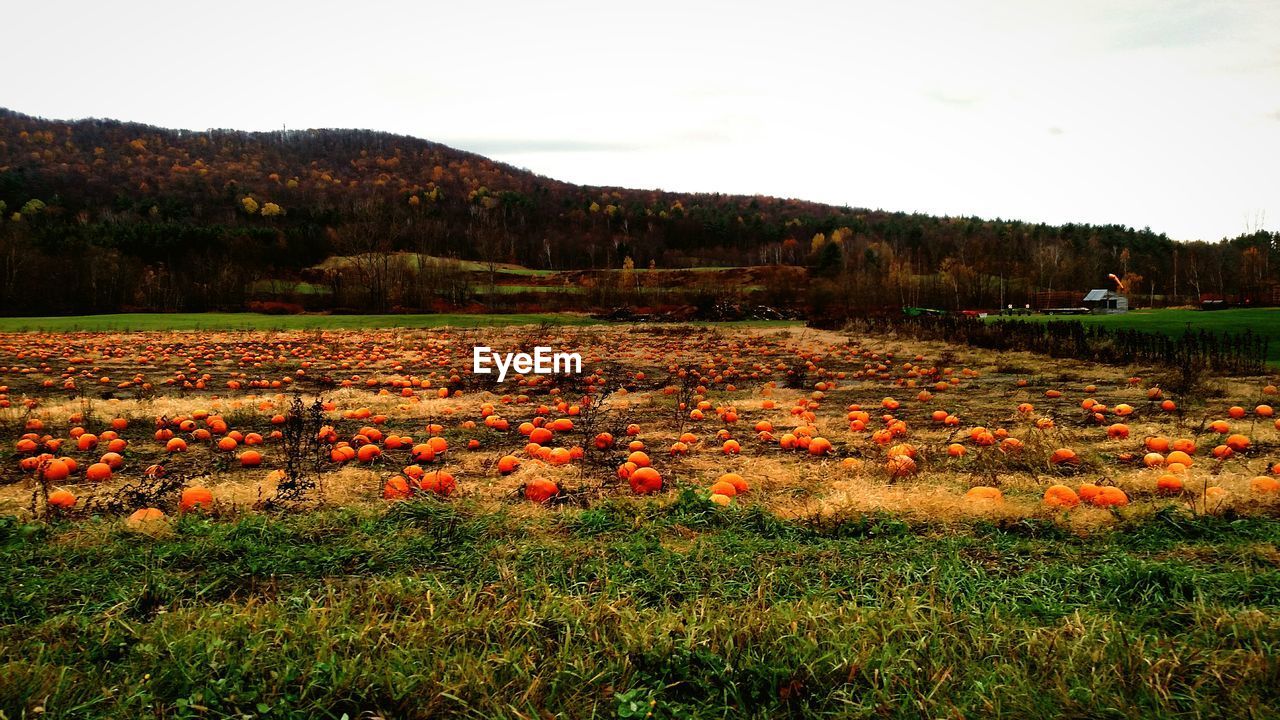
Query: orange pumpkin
x=1118 y=431
x=734 y=479
x=438 y=482
x=984 y=493
x=720 y=487
x=1064 y=456
x=900 y=466
x=145 y=516
x=422 y=453
x=819 y=446
x=98 y=472
x=1089 y=491
x=645 y=480
x=396 y=488
x=195 y=497
x=1169 y=485
x=1110 y=496
x=62 y=499
x=1061 y=496
x=1260 y=484
x=55 y=471
x=508 y=464
x=540 y=490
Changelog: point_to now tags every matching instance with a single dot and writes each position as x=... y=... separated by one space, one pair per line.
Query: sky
x=1147 y=113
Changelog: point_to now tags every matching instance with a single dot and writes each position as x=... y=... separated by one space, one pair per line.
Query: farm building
x=1105 y=302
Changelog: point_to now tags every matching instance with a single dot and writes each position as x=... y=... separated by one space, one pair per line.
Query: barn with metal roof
x=1105 y=302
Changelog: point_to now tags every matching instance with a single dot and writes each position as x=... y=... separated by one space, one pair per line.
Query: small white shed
x=1105 y=302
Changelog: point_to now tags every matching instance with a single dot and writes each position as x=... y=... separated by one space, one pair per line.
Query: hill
x=102 y=216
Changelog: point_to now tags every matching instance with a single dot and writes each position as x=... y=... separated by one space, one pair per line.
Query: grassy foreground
x=629 y=608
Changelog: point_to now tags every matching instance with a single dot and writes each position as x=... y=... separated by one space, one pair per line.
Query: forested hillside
x=100 y=215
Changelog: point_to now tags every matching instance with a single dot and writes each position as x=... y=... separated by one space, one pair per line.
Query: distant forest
x=103 y=216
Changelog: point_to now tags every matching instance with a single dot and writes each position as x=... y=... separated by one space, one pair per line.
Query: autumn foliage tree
x=126 y=216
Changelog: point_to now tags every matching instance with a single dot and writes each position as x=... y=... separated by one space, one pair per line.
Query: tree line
x=100 y=215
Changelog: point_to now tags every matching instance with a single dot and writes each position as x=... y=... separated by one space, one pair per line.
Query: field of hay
x=884 y=543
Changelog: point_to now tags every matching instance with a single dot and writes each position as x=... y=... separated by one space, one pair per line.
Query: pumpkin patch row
x=406 y=408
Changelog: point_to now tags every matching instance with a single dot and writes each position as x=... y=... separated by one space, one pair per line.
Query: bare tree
x=369 y=258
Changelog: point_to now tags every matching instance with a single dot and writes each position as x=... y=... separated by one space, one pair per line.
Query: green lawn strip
x=1177 y=321
x=516 y=289
x=166 y=322
x=280 y=287
x=255 y=321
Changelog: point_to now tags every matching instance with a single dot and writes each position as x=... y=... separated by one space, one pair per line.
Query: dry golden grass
x=789 y=484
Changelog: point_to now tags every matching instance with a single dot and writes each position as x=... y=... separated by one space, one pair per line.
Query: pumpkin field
x=707 y=522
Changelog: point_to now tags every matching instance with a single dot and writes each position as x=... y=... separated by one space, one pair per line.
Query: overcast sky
x=1160 y=113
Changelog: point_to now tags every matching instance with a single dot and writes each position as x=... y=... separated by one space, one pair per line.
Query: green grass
x=416 y=260
x=255 y=321
x=159 y=322
x=682 y=610
x=501 y=268
x=521 y=271
x=1174 y=322
x=515 y=289
x=281 y=287
x=700 y=268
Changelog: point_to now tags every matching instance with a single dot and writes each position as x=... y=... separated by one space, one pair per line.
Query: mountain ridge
x=193 y=219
